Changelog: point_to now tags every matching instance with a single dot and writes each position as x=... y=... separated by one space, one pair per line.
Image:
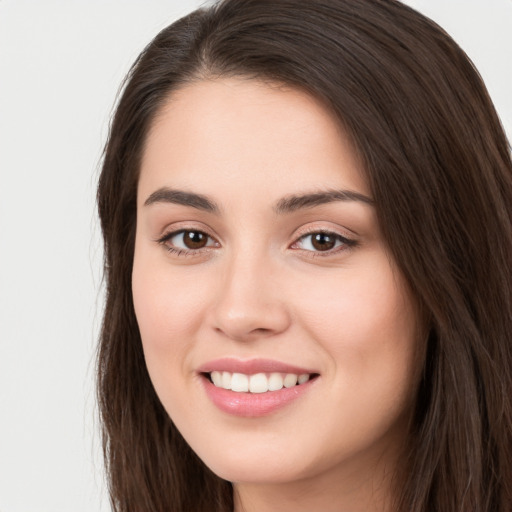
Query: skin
x=260 y=289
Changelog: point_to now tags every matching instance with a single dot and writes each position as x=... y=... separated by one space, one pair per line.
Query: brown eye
x=195 y=239
x=187 y=240
x=323 y=241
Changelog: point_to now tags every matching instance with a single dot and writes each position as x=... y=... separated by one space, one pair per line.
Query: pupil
x=195 y=239
x=323 y=242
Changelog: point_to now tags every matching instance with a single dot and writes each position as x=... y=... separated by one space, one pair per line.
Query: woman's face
x=259 y=263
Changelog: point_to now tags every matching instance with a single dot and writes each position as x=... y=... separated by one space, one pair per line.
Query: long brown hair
x=440 y=171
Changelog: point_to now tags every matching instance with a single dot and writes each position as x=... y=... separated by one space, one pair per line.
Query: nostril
x=261 y=330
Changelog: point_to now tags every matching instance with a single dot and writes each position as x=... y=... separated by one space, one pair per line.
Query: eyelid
x=326 y=227
x=346 y=242
x=179 y=227
x=170 y=233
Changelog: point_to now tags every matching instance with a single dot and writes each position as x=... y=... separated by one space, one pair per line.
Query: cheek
x=358 y=309
x=168 y=305
x=164 y=321
x=368 y=325
x=168 y=310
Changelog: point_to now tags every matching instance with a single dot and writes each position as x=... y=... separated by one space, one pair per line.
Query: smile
x=255 y=387
x=257 y=383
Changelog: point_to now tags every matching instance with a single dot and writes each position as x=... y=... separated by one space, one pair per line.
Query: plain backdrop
x=61 y=63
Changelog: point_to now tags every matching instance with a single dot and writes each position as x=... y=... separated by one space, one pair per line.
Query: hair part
x=439 y=168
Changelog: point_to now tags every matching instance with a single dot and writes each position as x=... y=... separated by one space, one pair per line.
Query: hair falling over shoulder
x=439 y=166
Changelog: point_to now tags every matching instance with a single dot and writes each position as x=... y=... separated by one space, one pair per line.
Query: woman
x=308 y=254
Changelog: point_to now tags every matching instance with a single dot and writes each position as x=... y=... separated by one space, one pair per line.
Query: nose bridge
x=249 y=302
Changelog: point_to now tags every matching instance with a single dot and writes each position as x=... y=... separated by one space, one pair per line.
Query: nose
x=249 y=302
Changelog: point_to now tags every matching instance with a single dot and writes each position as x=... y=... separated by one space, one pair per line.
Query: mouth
x=257 y=382
x=254 y=388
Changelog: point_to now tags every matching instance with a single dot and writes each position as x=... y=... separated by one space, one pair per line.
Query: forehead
x=247 y=134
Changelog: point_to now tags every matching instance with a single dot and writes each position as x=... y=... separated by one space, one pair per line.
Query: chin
x=265 y=458
x=256 y=471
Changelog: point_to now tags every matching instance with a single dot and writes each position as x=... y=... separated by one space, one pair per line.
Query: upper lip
x=251 y=366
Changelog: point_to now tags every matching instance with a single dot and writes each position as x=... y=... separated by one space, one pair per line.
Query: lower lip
x=250 y=405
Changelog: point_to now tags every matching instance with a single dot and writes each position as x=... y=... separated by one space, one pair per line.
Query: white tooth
x=216 y=378
x=290 y=380
x=226 y=380
x=275 y=382
x=258 y=383
x=303 y=378
x=240 y=382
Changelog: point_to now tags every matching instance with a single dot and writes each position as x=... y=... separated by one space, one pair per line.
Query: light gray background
x=61 y=62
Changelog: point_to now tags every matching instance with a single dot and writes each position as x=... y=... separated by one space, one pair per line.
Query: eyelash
x=346 y=243
x=177 y=251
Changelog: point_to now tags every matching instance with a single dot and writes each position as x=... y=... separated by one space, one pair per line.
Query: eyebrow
x=168 y=195
x=287 y=204
x=298 y=202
